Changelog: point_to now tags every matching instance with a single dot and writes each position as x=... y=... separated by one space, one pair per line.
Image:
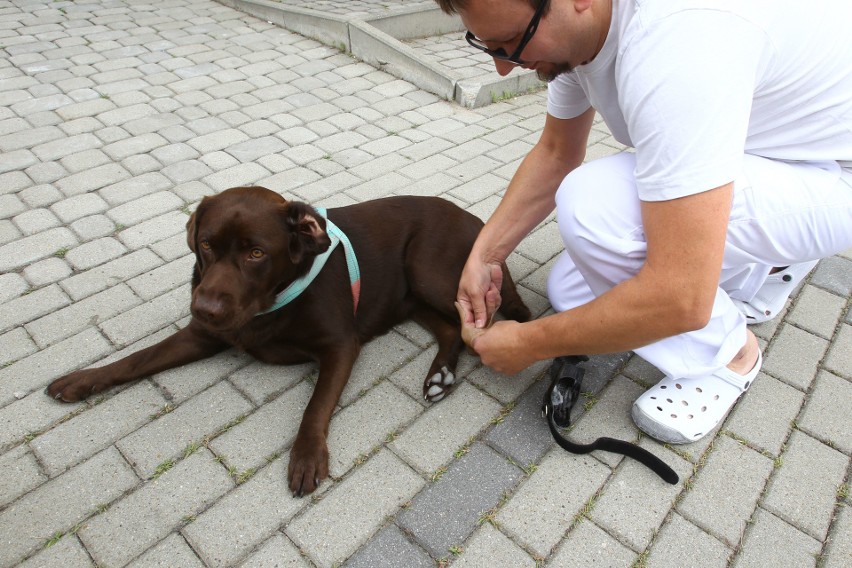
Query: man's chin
x=548 y=75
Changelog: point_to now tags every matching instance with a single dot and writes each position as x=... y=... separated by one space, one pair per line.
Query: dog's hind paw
x=438 y=385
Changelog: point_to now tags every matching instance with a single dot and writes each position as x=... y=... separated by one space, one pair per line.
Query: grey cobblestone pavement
x=118 y=116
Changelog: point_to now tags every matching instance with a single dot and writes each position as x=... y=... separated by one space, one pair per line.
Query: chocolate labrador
x=255 y=252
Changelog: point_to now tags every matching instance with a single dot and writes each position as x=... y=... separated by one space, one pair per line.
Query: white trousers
x=782 y=214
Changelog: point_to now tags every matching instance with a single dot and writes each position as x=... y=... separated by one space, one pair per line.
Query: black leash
x=566 y=377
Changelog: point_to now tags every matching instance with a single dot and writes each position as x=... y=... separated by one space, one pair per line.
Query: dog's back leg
x=442 y=374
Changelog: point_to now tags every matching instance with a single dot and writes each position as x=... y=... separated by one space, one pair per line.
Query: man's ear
x=307 y=231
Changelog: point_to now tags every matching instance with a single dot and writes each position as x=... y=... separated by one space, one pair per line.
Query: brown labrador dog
x=250 y=244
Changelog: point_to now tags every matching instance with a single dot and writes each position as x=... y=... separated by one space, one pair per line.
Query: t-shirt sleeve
x=686 y=85
x=565 y=97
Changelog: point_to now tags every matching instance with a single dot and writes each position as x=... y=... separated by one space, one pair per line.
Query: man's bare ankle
x=745 y=360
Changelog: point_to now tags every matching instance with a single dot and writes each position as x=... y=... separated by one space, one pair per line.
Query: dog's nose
x=208 y=309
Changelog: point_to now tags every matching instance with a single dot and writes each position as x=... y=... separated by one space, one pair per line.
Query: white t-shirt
x=695 y=84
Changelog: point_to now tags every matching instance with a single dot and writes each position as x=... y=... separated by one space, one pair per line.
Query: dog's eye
x=257 y=253
x=205 y=245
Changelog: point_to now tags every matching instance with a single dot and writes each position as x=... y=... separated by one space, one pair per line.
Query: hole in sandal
x=677 y=386
x=674 y=415
x=703 y=409
x=669 y=400
x=689 y=416
x=660 y=409
x=698 y=389
x=683 y=402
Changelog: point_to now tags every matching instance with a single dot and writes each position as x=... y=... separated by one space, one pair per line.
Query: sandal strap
x=741 y=382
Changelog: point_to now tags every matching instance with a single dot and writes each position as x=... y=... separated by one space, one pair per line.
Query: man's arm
x=673 y=292
x=528 y=200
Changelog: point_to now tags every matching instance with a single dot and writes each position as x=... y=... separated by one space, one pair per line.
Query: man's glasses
x=500 y=53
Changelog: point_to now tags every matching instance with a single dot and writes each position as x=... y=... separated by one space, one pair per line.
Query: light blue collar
x=299 y=285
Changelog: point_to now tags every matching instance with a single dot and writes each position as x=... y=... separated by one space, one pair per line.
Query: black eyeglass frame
x=500 y=53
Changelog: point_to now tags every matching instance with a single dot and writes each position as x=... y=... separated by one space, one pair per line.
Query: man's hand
x=498 y=345
x=479 y=292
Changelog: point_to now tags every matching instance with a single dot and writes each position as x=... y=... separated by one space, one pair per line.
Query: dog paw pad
x=438 y=385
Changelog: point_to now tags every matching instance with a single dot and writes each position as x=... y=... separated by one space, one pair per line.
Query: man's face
x=501 y=27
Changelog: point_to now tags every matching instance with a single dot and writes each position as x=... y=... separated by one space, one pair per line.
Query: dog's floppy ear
x=307 y=231
x=191 y=232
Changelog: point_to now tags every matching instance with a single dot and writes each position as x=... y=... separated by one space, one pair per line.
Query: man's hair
x=453 y=6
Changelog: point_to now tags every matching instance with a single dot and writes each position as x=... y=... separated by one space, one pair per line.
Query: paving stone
x=121 y=269
x=15 y=344
x=153 y=231
x=794 y=355
x=489 y=547
x=390 y=548
x=445 y=426
x=37 y=370
x=609 y=417
x=817 y=311
x=171 y=551
x=449 y=509
x=149 y=317
x=21 y=473
x=144 y=208
x=378 y=359
x=830 y=399
x=35 y=221
x=354 y=509
x=376 y=415
x=806 y=506
x=726 y=490
x=31 y=306
x=537 y=516
x=71 y=320
x=507 y=388
x=245 y=517
x=73 y=208
x=45 y=194
x=523 y=435
x=184 y=382
x=277 y=552
x=121 y=191
x=11 y=286
x=93 y=253
x=772 y=542
x=93 y=227
x=266 y=432
x=839 y=358
x=680 y=543
x=17 y=254
x=169 y=435
x=92 y=180
x=838 y=553
x=67 y=553
x=147 y=515
x=764 y=415
x=835 y=275
x=588 y=545
x=635 y=501
x=35 y=518
x=92 y=431
x=164 y=278
x=262 y=383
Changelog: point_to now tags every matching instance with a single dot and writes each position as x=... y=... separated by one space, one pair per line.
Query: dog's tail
x=512 y=306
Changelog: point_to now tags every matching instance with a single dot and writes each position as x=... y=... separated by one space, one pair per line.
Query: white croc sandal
x=772 y=295
x=682 y=411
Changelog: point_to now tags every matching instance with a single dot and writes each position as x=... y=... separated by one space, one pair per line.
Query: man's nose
x=503 y=67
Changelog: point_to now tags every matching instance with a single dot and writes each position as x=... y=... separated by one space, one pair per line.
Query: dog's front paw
x=438 y=385
x=308 y=464
x=75 y=386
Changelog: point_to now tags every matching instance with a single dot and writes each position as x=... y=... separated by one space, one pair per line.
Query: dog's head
x=249 y=243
